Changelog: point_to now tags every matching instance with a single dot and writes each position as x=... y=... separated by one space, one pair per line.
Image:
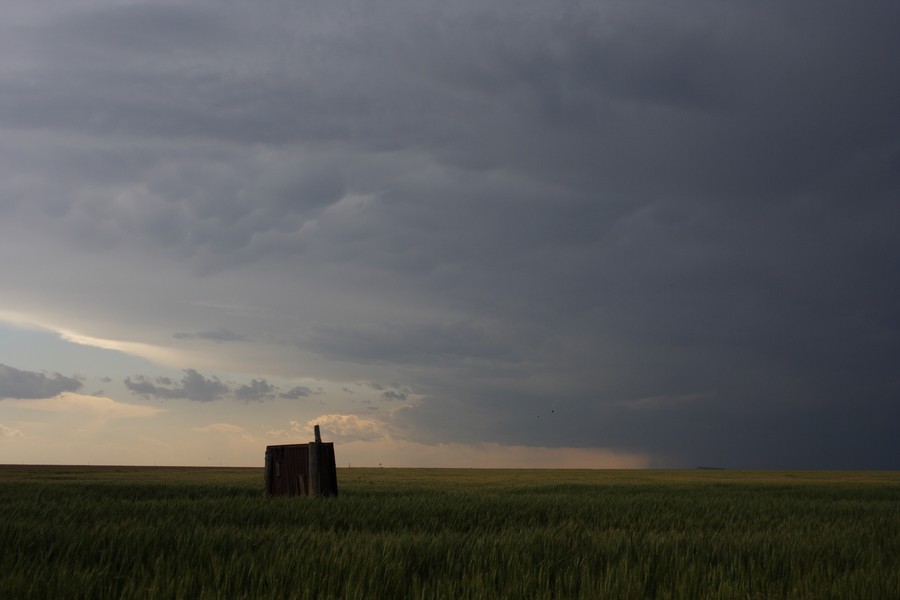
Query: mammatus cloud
x=15 y=383
x=9 y=432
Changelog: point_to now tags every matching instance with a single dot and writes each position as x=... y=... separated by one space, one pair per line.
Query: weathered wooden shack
x=301 y=469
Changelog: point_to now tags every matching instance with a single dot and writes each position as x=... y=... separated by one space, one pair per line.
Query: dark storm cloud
x=404 y=342
x=669 y=229
x=15 y=383
x=138 y=29
x=640 y=101
x=193 y=386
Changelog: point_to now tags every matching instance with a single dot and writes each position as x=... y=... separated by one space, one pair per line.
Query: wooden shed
x=301 y=469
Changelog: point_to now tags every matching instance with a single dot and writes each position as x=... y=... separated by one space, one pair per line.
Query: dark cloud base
x=15 y=383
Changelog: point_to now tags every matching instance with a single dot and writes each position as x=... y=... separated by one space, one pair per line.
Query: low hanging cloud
x=257 y=391
x=367 y=442
x=344 y=428
x=224 y=429
x=296 y=392
x=399 y=453
x=15 y=383
x=193 y=386
x=199 y=388
x=9 y=432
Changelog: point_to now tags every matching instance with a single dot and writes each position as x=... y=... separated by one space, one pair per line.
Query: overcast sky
x=472 y=233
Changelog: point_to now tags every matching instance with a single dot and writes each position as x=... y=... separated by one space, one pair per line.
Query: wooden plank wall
x=287 y=470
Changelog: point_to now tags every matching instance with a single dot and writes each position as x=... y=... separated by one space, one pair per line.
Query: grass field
x=123 y=532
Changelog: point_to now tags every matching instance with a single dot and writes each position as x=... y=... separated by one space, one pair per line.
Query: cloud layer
x=669 y=232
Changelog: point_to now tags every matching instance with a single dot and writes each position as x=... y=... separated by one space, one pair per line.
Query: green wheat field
x=130 y=532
